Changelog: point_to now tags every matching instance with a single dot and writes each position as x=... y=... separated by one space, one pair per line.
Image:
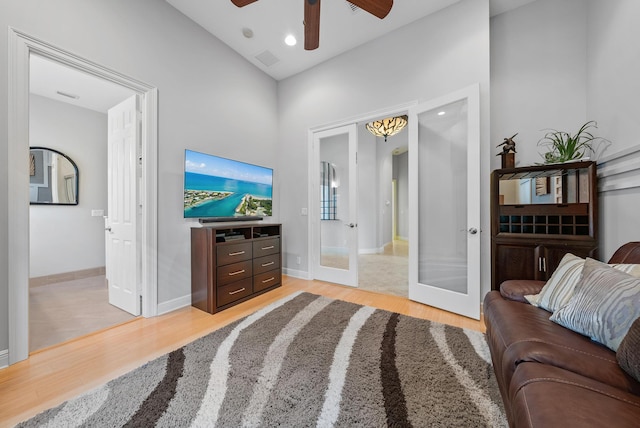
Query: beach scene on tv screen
x=219 y=187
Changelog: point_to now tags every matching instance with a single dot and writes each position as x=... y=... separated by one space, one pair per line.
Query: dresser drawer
x=233 y=253
x=266 y=280
x=234 y=272
x=266 y=247
x=267 y=263
x=234 y=291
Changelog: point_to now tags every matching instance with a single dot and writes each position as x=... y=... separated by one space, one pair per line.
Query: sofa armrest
x=516 y=289
x=628 y=253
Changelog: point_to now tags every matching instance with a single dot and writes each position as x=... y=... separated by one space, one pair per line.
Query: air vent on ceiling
x=267 y=58
x=68 y=95
x=353 y=7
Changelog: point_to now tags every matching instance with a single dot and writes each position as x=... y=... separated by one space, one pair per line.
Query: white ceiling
x=47 y=78
x=341 y=29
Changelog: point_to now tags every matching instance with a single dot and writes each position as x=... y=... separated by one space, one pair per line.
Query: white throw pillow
x=559 y=289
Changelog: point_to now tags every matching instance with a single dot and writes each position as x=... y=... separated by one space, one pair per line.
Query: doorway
x=21 y=47
x=382 y=218
x=68 y=295
x=443 y=184
x=371 y=258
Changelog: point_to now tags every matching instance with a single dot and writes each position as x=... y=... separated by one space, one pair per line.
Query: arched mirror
x=53 y=178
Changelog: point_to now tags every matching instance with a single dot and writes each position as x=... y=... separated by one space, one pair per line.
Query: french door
x=334 y=205
x=444 y=207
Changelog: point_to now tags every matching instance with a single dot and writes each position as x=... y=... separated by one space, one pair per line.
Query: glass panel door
x=445 y=184
x=335 y=225
x=442 y=178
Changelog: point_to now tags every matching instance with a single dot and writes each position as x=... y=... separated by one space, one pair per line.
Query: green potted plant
x=564 y=147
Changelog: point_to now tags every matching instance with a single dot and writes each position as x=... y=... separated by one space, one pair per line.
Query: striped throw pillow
x=558 y=290
x=605 y=304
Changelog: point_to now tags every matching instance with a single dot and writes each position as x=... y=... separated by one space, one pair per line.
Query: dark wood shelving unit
x=529 y=237
x=232 y=264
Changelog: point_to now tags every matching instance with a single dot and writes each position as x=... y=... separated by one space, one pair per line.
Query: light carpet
x=305 y=360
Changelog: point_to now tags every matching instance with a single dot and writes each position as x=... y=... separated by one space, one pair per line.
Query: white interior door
x=444 y=207
x=122 y=220
x=334 y=205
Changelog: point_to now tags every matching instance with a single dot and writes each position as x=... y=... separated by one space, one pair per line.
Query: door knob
x=473 y=230
x=108 y=229
x=351 y=225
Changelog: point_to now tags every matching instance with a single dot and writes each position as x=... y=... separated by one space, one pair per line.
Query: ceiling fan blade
x=241 y=3
x=379 y=8
x=311 y=24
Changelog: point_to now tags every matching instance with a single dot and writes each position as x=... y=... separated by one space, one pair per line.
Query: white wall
x=613 y=66
x=384 y=216
x=67 y=238
x=401 y=174
x=435 y=55
x=538 y=75
x=210 y=100
x=368 y=190
x=557 y=64
x=613 y=94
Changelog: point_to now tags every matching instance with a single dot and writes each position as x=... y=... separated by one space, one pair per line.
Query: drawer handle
x=270 y=247
x=237 y=253
x=237 y=272
x=268 y=264
x=269 y=280
x=231 y=293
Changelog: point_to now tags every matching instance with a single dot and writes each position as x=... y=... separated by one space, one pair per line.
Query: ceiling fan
x=379 y=8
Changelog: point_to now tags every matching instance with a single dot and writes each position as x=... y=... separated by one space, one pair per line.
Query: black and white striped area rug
x=305 y=360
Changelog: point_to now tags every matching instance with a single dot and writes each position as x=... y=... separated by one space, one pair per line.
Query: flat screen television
x=220 y=189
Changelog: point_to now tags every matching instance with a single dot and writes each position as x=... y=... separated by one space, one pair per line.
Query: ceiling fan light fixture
x=387 y=127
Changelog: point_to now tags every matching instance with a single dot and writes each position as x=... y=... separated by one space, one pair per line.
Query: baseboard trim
x=66 y=276
x=301 y=274
x=175 y=304
x=4 y=359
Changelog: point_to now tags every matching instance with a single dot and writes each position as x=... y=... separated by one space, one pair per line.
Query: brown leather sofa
x=550 y=376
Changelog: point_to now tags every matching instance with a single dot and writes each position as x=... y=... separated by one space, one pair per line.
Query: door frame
x=312 y=167
x=21 y=46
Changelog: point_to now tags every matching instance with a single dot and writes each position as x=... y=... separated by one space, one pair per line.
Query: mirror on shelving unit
x=559 y=187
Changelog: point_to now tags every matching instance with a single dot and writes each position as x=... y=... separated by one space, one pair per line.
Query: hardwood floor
x=56 y=374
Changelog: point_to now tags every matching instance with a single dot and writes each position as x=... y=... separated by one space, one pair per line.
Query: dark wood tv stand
x=232 y=264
